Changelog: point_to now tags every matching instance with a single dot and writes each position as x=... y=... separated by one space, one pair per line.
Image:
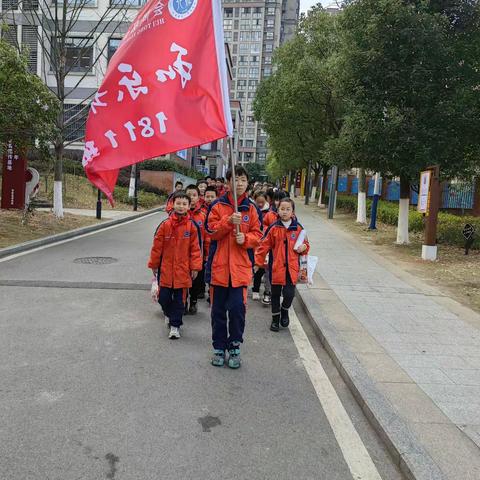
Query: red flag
x=165 y=89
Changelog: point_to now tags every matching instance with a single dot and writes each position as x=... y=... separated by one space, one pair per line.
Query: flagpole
x=234 y=180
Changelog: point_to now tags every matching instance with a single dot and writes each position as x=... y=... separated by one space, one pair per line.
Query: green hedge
x=169 y=166
x=450 y=226
x=145 y=199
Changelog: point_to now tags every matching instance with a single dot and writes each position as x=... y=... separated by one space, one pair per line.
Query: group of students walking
x=205 y=241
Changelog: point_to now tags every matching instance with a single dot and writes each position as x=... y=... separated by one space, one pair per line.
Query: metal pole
x=332 y=192
x=376 y=197
x=234 y=180
x=99 y=204
x=135 y=190
x=307 y=183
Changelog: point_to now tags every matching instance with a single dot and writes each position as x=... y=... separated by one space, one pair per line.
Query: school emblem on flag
x=165 y=90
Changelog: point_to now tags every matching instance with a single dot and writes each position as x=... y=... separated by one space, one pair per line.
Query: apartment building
x=253 y=29
x=91 y=43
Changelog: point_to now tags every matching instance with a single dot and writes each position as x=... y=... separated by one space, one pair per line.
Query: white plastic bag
x=311 y=266
x=155 y=290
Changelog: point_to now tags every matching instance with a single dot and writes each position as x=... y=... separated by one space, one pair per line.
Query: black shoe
x=193 y=308
x=275 y=327
x=284 y=318
x=201 y=295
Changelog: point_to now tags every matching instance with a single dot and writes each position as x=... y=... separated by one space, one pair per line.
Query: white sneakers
x=174 y=333
x=255 y=296
x=167 y=321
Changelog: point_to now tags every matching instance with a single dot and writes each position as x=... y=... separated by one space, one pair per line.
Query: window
x=10 y=35
x=250 y=119
x=244 y=48
x=113 y=44
x=227 y=24
x=251 y=94
x=249 y=143
x=228 y=35
x=242 y=71
x=271 y=11
x=235 y=49
x=244 y=24
x=245 y=10
x=256 y=36
x=236 y=10
x=30 y=42
x=256 y=24
x=9 y=5
x=228 y=12
x=79 y=53
x=75 y=116
x=243 y=60
x=270 y=23
x=244 y=36
x=255 y=47
x=123 y=3
x=253 y=72
x=235 y=36
x=269 y=47
x=269 y=35
x=255 y=59
x=268 y=60
x=267 y=71
x=240 y=95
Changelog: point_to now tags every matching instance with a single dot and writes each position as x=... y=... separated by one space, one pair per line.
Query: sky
x=306 y=4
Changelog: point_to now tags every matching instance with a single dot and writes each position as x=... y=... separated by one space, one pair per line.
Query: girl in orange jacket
x=284 y=260
x=175 y=260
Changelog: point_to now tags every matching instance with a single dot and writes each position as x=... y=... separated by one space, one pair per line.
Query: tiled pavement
x=404 y=330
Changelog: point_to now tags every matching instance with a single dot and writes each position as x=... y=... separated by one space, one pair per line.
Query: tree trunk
x=316 y=170
x=403 y=209
x=58 y=173
x=361 y=197
x=323 y=193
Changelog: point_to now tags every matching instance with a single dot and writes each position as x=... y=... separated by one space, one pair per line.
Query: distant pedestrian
x=279 y=242
x=176 y=259
x=169 y=206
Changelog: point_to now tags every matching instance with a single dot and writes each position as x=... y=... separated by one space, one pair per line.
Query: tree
x=28 y=109
x=255 y=171
x=298 y=105
x=57 y=22
x=410 y=80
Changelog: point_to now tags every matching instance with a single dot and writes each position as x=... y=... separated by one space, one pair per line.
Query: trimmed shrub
x=169 y=166
x=450 y=227
x=145 y=199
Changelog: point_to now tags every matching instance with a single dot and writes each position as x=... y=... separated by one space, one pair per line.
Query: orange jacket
x=270 y=217
x=198 y=215
x=176 y=251
x=279 y=242
x=230 y=263
x=169 y=205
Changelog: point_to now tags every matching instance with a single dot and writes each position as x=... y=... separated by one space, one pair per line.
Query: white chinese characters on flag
x=165 y=90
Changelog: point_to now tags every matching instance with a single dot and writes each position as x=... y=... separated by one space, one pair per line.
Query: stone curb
x=412 y=459
x=22 y=247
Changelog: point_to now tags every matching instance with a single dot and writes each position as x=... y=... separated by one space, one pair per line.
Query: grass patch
x=38 y=225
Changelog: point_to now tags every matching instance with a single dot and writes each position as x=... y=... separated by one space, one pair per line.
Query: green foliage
x=255 y=171
x=410 y=80
x=170 y=166
x=450 y=226
x=28 y=109
x=298 y=105
x=145 y=199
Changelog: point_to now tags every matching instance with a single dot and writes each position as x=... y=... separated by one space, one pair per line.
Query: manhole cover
x=96 y=260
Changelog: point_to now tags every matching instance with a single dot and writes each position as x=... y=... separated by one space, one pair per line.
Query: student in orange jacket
x=272 y=215
x=176 y=259
x=230 y=267
x=198 y=215
x=178 y=188
x=284 y=261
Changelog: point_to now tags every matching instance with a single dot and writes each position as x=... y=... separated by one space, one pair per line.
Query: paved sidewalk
x=423 y=357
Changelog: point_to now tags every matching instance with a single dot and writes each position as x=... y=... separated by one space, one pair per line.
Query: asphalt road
x=91 y=387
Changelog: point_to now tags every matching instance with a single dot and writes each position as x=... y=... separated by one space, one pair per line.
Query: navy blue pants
x=286 y=291
x=227 y=301
x=172 y=301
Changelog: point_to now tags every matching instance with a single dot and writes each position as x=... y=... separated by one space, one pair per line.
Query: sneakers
x=284 y=318
x=218 y=358
x=193 y=308
x=255 y=296
x=267 y=299
x=174 y=333
x=275 y=325
x=234 y=360
x=167 y=321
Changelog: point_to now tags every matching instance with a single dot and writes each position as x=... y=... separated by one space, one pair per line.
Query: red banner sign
x=13 y=179
x=165 y=89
